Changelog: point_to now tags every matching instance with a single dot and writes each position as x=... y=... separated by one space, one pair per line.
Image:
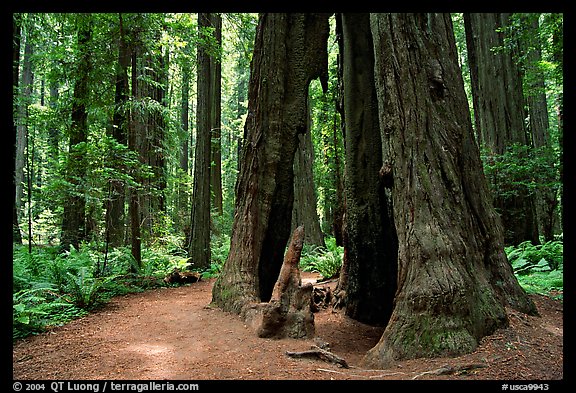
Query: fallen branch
x=362 y=376
x=319 y=353
x=448 y=370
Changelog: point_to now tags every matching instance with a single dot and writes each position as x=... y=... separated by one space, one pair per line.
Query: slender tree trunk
x=454 y=280
x=151 y=143
x=340 y=211
x=24 y=100
x=16 y=31
x=499 y=113
x=546 y=200
x=290 y=50
x=74 y=219
x=304 y=210
x=199 y=249
x=115 y=212
x=183 y=197
x=369 y=268
x=133 y=191
x=216 y=116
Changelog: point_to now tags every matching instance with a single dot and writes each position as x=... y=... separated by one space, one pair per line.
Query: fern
x=527 y=258
x=324 y=260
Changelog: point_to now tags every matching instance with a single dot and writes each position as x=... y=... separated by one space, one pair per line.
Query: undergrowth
x=324 y=260
x=539 y=268
x=50 y=288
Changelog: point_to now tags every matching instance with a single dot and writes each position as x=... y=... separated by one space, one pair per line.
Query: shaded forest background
x=128 y=136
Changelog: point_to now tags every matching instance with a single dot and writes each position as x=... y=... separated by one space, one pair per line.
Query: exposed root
x=319 y=353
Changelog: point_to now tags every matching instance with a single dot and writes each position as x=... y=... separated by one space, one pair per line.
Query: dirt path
x=171 y=333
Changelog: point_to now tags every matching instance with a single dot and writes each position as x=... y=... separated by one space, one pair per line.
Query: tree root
x=319 y=353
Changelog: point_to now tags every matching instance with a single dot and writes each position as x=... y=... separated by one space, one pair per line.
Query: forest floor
x=174 y=334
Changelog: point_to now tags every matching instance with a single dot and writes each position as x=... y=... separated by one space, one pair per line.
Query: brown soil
x=173 y=333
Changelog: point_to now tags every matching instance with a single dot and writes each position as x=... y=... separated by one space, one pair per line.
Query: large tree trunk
x=454 y=280
x=368 y=275
x=151 y=85
x=74 y=218
x=499 y=111
x=115 y=212
x=290 y=50
x=199 y=248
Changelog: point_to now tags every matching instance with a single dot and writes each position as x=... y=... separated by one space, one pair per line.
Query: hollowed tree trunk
x=368 y=275
x=290 y=50
x=454 y=280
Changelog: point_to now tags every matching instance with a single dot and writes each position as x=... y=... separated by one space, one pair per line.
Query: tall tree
x=115 y=212
x=152 y=69
x=134 y=128
x=23 y=102
x=216 y=114
x=74 y=219
x=499 y=112
x=539 y=124
x=16 y=32
x=368 y=275
x=199 y=247
x=454 y=280
x=183 y=197
x=289 y=51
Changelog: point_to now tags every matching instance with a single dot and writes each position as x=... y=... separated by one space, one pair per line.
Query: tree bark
x=215 y=117
x=535 y=92
x=369 y=268
x=499 y=113
x=288 y=313
x=16 y=32
x=290 y=50
x=74 y=218
x=304 y=211
x=183 y=196
x=199 y=248
x=23 y=102
x=133 y=191
x=115 y=213
x=454 y=280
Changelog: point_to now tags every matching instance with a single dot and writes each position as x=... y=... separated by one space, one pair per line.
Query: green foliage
x=539 y=268
x=527 y=258
x=35 y=309
x=50 y=288
x=522 y=170
x=544 y=283
x=326 y=261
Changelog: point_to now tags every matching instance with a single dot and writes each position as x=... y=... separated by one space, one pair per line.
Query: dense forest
x=415 y=157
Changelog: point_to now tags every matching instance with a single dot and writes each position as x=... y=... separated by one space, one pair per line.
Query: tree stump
x=288 y=313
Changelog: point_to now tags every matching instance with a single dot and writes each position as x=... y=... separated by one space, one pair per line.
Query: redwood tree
x=368 y=275
x=454 y=280
x=74 y=218
x=289 y=51
x=199 y=247
x=499 y=115
x=115 y=212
